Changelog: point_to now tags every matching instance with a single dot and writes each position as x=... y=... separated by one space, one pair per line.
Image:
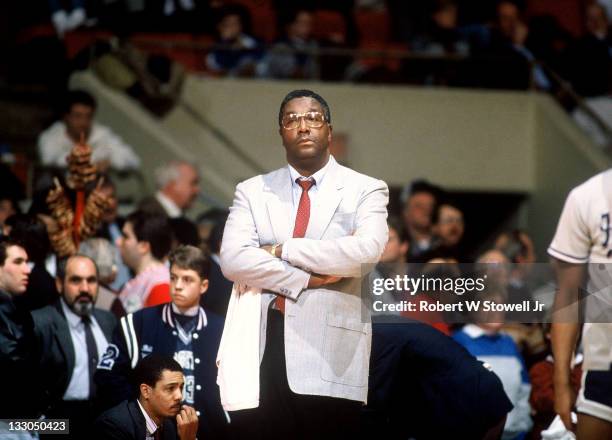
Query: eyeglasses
x=291 y=121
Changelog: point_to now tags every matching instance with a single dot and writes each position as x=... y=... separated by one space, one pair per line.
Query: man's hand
x=317 y=280
x=564 y=402
x=266 y=248
x=187 y=423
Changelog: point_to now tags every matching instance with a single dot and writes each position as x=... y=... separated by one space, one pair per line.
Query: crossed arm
x=308 y=263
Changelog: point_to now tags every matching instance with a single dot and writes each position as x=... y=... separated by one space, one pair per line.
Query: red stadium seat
x=373 y=26
x=569 y=13
x=327 y=23
x=263 y=18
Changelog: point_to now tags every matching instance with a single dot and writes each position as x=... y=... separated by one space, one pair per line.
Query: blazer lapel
x=278 y=199
x=326 y=202
x=62 y=333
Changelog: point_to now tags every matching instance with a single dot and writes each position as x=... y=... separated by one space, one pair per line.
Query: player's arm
x=564 y=333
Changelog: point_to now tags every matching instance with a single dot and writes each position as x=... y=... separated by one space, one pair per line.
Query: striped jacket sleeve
x=114 y=369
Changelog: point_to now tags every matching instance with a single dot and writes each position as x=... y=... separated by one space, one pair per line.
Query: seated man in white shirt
x=108 y=150
x=71 y=336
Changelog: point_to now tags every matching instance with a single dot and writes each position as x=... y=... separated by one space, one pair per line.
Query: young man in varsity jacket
x=181 y=329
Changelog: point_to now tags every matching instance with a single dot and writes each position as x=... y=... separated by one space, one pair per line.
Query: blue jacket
x=153 y=330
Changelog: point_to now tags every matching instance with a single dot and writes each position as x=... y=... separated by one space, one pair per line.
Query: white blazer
x=327 y=331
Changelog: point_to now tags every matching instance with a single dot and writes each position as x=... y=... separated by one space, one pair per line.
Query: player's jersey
x=584 y=236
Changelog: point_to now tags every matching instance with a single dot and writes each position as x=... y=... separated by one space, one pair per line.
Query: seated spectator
x=104 y=254
x=518 y=248
x=108 y=150
x=144 y=246
x=157 y=412
x=589 y=60
x=448 y=228
x=420 y=203
x=392 y=262
x=71 y=337
x=16 y=338
x=234 y=53
x=32 y=233
x=484 y=340
x=288 y=57
x=110 y=229
x=512 y=62
x=177 y=188
x=443 y=35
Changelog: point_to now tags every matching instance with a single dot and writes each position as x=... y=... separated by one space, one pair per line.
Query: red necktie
x=301 y=223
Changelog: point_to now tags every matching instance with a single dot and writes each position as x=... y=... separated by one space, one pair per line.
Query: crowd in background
x=497 y=41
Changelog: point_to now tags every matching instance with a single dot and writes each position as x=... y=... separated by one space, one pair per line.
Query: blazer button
x=197 y=360
x=198 y=413
x=198 y=387
x=195 y=336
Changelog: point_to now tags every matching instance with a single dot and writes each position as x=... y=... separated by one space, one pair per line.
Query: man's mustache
x=85 y=295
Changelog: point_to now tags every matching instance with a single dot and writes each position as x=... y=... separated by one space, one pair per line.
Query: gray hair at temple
x=102 y=252
x=169 y=172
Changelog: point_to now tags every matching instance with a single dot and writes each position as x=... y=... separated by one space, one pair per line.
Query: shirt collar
x=318 y=176
x=169 y=206
x=168 y=319
x=151 y=426
x=190 y=312
x=73 y=319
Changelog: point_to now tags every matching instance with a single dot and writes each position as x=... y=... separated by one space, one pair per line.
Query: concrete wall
x=563 y=157
x=461 y=139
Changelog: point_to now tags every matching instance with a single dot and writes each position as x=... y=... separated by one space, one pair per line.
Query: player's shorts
x=595 y=396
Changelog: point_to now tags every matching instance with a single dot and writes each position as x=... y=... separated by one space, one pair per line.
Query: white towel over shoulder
x=238 y=356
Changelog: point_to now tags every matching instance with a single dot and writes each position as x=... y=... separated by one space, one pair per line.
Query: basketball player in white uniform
x=583 y=246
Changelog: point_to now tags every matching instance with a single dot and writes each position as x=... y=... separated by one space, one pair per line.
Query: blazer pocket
x=345 y=351
x=342 y=224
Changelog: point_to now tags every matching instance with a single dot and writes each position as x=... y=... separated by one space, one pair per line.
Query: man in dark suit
x=71 y=336
x=157 y=413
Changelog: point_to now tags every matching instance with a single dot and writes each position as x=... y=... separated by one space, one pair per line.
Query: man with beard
x=71 y=336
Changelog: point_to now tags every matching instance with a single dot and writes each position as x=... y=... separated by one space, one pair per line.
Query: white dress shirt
x=78 y=387
x=151 y=425
x=169 y=206
x=54 y=145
